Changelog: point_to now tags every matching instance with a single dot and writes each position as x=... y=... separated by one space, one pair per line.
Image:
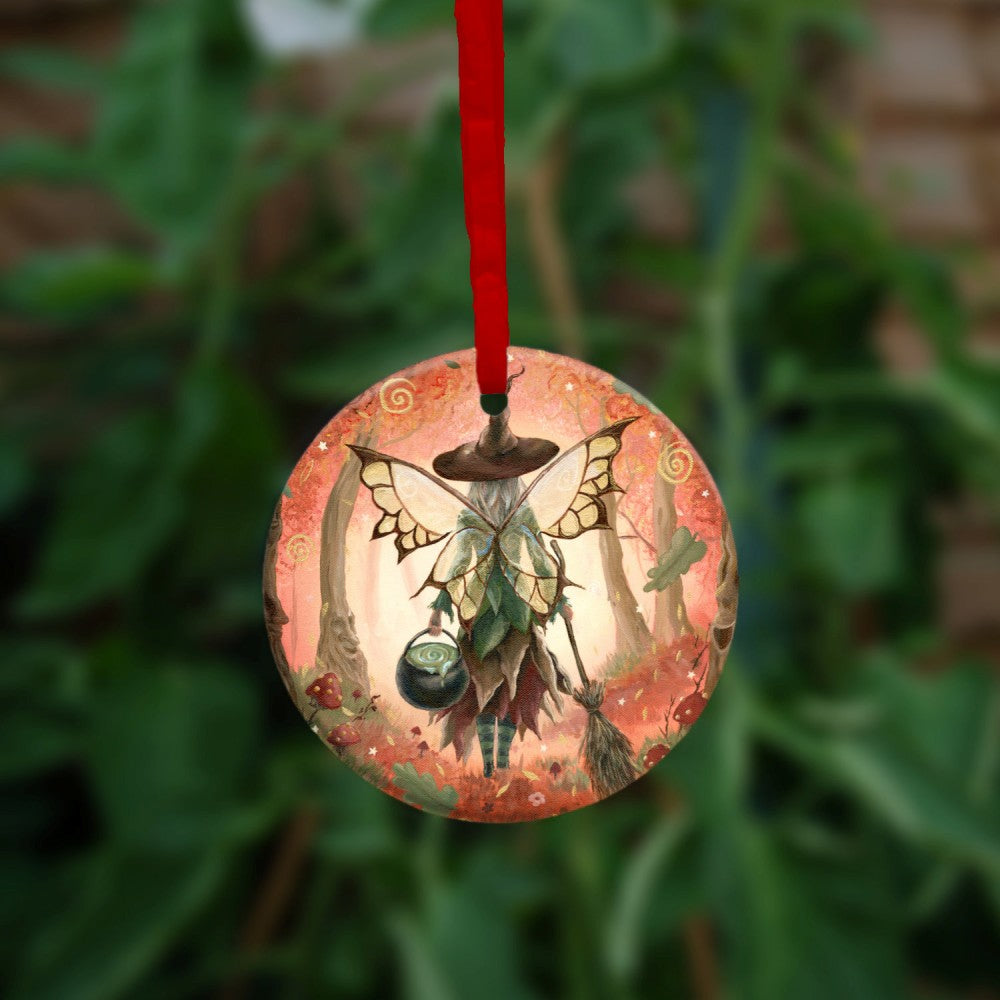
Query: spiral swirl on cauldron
x=432 y=656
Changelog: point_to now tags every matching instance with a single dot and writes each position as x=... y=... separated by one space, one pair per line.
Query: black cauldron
x=431 y=675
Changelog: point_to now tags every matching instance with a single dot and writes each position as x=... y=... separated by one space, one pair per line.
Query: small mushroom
x=555 y=770
x=422 y=747
x=342 y=736
x=356 y=693
x=654 y=755
x=415 y=731
x=325 y=691
x=690 y=708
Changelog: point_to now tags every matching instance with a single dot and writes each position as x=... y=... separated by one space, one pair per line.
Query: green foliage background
x=170 y=828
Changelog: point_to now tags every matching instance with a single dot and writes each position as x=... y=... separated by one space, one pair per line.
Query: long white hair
x=496 y=498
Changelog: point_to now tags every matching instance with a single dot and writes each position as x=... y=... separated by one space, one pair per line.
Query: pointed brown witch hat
x=498 y=454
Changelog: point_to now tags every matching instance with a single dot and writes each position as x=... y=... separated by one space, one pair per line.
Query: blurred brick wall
x=929 y=128
x=35 y=216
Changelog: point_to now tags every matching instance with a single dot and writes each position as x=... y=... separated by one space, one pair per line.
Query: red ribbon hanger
x=479 y=25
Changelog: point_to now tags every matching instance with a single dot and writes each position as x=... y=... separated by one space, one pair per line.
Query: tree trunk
x=632 y=632
x=338 y=648
x=275 y=618
x=671 y=618
x=723 y=624
x=373 y=601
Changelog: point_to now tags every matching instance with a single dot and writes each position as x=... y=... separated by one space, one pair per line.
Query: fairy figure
x=495 y=572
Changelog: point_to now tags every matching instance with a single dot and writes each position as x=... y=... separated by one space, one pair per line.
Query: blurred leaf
x=923 y=806
x=593 y=42
x=627 y=914
x=230 y=471
x=423 y=977
x=169 y=133
x=837 y=911
x=421 y=243
x=170 y=752
x=844 y=448
x=44 y=686
x=394 y=18
x=811 y=204
x=130 y=911
x=917 y=804
x=115 y=509
x=52 y=67
x=930 y=297
x=944 y=718
x=607 y=151
x=39 y=158
x=15 y=474
x=852 y=532
x=75 y=283
x=970 y=396
x=459 y=947
x=535 y=105
x=343 y=373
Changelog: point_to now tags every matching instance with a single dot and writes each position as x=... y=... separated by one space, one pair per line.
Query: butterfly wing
x=464 y=566
x=566 y=498
x=526 y=564
x=417 y=508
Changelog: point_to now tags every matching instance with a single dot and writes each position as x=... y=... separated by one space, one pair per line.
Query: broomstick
x=607 y=753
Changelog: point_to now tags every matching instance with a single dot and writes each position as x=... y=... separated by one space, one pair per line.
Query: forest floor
x=546 y=776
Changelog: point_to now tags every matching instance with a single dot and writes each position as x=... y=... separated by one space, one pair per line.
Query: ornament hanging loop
x=479 y=26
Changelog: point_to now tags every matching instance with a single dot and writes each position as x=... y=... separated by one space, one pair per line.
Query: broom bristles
x=607 y=753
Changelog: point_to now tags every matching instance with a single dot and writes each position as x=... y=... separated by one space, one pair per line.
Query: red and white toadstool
x=343 y=736
x=654 y=755
x=690 y=708
x=325 y=691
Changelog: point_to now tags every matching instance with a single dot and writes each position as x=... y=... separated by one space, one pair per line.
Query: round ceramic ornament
x=500 y=617
x=500 y=584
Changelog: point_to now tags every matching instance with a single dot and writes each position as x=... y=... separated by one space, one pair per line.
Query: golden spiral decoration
x=675 y=464
x=396 y=395
x=299 y=548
